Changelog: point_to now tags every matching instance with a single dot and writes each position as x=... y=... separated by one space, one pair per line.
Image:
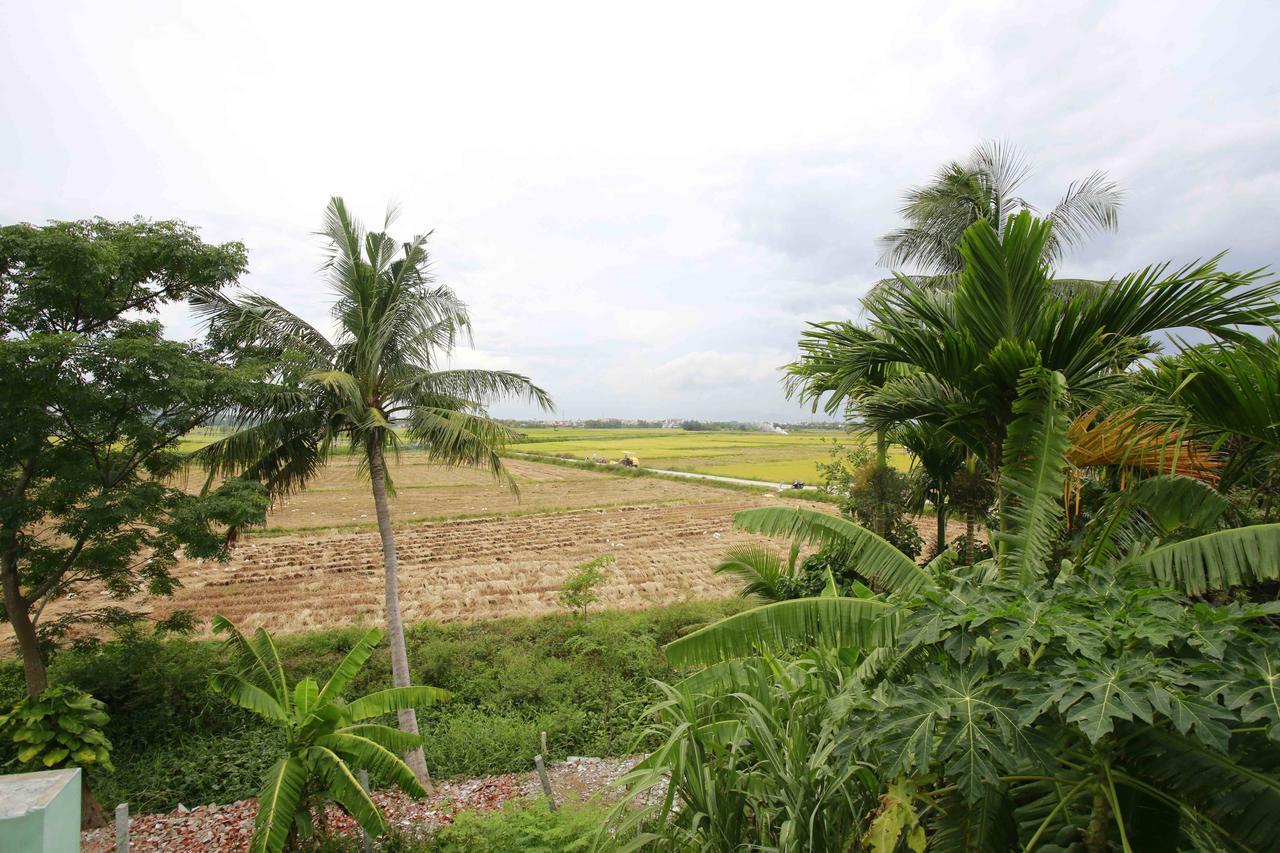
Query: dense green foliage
x=583 y=681
x=93 y=402
x=326 y=739
x=754 y=760
x=520 y=828
x=1066 y=694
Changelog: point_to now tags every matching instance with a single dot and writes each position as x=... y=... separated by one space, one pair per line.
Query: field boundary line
x=813 y=495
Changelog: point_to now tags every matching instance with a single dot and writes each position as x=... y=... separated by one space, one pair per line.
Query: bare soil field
x=340 y=498
x=321 y=563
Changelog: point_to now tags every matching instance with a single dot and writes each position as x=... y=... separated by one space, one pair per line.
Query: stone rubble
x=226 y=828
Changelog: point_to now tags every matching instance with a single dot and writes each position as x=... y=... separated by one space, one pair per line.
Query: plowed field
x=483 y=553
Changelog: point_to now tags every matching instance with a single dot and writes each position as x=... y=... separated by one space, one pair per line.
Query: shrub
x=579 y=590
x=58 y=727
x=326 y=738
x=192 y=770
x=583 y=681
x=520 y=828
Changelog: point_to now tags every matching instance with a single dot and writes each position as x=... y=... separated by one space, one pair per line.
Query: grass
x=584 y=681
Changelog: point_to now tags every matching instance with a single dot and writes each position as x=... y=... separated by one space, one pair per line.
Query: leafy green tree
x=93 y=402
x=396 y=328
x=325 y=736
x=984 y=188
x=1031 y=701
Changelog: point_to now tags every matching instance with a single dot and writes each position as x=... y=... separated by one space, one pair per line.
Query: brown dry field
x=492 y=555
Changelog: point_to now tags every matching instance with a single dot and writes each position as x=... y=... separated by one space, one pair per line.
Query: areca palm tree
x=938 y=458
x=964 y=349
x=985 y=188
x=396 y=328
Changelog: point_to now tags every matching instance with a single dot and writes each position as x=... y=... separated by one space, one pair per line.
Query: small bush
x=520 y=828
x=579 y=589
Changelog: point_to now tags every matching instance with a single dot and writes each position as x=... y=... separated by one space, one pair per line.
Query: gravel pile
x=229 y=827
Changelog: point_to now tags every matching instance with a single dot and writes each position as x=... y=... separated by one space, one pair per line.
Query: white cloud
x=642 y=209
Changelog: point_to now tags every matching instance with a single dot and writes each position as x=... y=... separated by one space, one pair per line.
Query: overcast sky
x=642 y=203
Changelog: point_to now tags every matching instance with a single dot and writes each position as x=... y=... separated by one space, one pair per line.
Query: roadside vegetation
x=584 y=681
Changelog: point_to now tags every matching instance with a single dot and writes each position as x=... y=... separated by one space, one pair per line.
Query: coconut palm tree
x=395 y=329
x=984 y=188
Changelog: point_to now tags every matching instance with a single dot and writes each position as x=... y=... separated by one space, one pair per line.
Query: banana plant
x=327 y=739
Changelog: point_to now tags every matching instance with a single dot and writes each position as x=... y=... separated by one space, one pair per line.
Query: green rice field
x=749 y=455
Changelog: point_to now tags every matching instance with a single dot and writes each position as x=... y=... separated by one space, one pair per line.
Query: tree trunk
x=395 y=628
x=970 y=530
x=91 y=816
x=1096 y=839
x=940 y=541
x=24 y=630
x=882 y=449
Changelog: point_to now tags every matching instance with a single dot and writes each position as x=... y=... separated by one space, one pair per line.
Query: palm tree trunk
x=970 y=530
x=395 y=627
x=940 y=537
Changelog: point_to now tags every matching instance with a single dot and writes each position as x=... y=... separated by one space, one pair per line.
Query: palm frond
x=1034 y=474
x=858 y=623
x=254 y=320
x=350 y=665
x=277 y=802
x=364 y=752
x=388 y=738
x=1090 y=206
x=759 y=569
x=454 y=437
x=1124 y=439
x=1005 y=284
x=481 y=386
x=872 y=556
x=237 y=689
x=346 y=789
x=256 y=657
